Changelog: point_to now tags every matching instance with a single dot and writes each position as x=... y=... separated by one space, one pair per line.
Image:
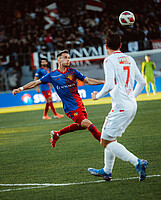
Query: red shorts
x=46 y=93
x=77 y=115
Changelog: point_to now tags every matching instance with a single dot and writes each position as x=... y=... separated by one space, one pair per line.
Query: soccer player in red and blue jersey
x=64 y=81
x=46 y=89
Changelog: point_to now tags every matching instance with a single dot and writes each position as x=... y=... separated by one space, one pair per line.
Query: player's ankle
x=58 y=133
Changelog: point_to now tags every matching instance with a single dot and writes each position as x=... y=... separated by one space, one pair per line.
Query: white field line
x=42 y=185
x=25 y=188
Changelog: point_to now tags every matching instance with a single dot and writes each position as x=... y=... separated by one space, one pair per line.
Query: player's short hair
x=112 y=40
x=147 y=55
x=61 y=52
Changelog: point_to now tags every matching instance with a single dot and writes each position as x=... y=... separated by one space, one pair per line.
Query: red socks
x=70 y=128
x=46 y=109
x=75 y=126
x=52 y=107
x=96 y=134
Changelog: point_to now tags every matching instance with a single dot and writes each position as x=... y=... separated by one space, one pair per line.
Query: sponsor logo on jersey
x=128 y=91
x=124 y=60
x=65 y=86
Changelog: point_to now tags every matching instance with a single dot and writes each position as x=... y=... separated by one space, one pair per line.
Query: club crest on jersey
x=75 y=114
x=70 y=77
x=124 y=60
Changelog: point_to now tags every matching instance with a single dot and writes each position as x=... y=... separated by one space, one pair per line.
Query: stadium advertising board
x=30 y=97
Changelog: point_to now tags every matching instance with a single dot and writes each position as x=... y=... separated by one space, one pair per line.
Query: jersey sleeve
x=109 y=79
x=46 y=78
x=79 y=75
x=37 y=73
x=143 y=67
x=140 y=81
x=154 y=66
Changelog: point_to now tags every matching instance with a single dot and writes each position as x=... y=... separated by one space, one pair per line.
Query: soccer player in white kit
x=120 y=73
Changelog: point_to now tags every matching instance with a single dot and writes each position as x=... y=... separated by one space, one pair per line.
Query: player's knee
x=49 y=99
x=104 y=143
x=85 y=123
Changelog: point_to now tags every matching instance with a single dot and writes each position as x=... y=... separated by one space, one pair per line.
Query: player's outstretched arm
x=29 y=85
x=37 y=87
x=91 y=81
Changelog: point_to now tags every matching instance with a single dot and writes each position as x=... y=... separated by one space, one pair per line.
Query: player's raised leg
x=55 y=135
x=80 y=117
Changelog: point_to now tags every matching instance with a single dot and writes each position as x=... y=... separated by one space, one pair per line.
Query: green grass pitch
x=26 y=156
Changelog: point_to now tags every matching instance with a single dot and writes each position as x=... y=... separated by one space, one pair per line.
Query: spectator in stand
x=119 y=31
x=70 y=41
x=16 y=19
x=80 y=29
x=49 y=42
x=13 y=79
x=14 y=46
x=160 y=29
x=2 y=73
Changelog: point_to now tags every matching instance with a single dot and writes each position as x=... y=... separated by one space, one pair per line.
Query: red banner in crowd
x=156 y=44
x=95 y=5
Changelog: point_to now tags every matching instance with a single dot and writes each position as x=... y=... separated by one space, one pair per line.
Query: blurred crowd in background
x=23 y=27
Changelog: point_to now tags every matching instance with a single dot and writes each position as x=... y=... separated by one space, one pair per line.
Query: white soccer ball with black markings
x=126 y=18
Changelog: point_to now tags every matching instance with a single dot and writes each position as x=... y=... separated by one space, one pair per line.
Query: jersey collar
x=116 y=52
x=62 y=72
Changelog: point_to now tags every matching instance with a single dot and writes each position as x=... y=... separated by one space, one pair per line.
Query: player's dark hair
x=112 y=40
x=61 y=52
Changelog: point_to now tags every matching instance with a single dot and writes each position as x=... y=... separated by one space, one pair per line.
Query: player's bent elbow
x=109 y=88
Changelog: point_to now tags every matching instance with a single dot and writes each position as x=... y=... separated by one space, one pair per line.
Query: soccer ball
x=126 y=18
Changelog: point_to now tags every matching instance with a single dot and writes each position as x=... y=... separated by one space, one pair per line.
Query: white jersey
x=120 y=72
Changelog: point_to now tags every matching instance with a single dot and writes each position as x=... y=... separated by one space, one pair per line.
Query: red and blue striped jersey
x=66 y=87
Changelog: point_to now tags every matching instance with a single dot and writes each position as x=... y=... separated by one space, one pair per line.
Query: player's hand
x=93 y=94
x=16 y=91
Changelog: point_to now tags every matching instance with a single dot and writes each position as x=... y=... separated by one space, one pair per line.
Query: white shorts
x=116 y=122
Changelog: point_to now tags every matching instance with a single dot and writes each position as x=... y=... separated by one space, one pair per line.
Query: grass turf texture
x=27 y=156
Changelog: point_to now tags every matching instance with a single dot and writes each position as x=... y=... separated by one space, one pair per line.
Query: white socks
x=121 y=152
x=109 y=159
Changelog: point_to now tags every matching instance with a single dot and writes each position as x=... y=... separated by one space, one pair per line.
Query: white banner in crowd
x=51 y=15
x=133 y=46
